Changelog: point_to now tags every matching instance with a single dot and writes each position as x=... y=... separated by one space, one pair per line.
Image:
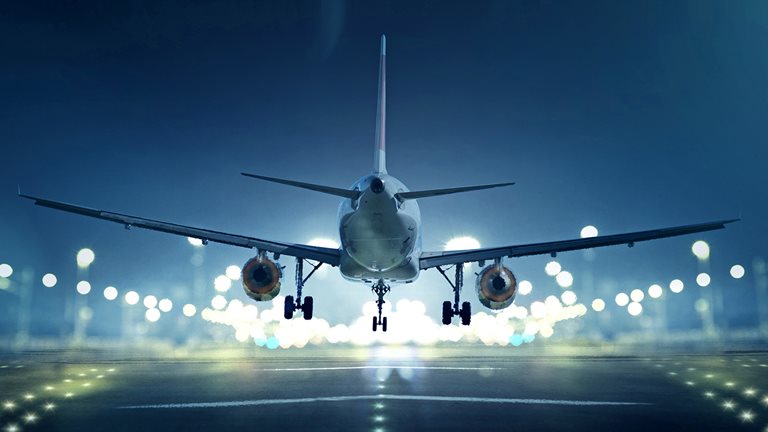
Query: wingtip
x=383 y=44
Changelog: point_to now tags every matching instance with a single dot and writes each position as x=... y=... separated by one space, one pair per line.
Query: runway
x=381 y=389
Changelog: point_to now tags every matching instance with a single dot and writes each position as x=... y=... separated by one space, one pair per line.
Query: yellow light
x=189 y=310
x=49 y=280
x=29 y=396
x=131 y=297
x=750 y=392
x=637 y=295
x=737 y=271
x=85 y=258
x=622 y=299
x=655 y=291
x=588 y=232
x=68 y=395
x=568 y=298
x=598 y=305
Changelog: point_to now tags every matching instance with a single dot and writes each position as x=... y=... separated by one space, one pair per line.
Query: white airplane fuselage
x=380 y=235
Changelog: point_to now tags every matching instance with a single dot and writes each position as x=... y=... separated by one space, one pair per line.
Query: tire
x=289 y=307
x=447 y=313
x=375 y=323
x=309 y=304
x=466 y=313
x=384 y=324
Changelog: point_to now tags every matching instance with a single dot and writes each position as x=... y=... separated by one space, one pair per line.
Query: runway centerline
x=333 y=368
x=259 y=402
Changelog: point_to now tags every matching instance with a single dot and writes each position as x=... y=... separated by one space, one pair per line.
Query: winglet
x=19 y=191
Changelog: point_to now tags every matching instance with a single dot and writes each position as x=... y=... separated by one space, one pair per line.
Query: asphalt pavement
x=382 y=389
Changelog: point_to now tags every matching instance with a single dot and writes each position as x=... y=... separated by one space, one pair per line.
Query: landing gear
x=452 y=309
x=380 y=288
x=291 y=304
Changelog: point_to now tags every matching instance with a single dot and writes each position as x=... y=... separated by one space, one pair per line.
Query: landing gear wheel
x=384 y=324
x=447 y=312
x=307 y=307
x=289 y=307
x=375 y=323
x=466 y=313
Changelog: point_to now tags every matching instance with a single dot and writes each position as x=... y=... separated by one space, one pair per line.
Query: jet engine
x=496 y=287
x=261 y=278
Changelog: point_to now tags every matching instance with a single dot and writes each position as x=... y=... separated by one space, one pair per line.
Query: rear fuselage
x=380 y=235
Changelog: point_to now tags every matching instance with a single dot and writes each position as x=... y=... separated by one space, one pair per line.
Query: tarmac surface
x=381 y=389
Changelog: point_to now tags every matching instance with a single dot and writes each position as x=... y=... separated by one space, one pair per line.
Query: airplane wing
x=326 y=255
x=434 y=259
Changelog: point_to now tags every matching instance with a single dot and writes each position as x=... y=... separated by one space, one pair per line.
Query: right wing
x=435 y=259
x=326 y=255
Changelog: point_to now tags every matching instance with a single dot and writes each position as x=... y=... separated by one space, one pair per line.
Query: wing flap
x=325 y=255
x=434 y=259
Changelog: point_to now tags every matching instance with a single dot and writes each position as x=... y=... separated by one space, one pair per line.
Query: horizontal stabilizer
x=344 y=193
x=435 y=192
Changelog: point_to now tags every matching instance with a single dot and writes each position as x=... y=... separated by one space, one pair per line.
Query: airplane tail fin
x=344 y=193
x=379 y=155
x=436 y=192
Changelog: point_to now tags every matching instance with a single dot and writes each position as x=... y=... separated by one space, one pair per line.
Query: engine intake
x=496 y=287
x=261 y=278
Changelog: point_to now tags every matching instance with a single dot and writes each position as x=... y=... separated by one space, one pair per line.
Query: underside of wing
x=325 y=255
x=434 y=259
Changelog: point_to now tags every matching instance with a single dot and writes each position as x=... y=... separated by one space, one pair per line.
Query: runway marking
x=379 y=367
x=245 y=403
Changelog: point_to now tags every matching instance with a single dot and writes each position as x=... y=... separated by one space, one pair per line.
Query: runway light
x=110 y=293
x=729 y=405
x=701 y=305
x=553 y=268
x=222 y=283
x=9 y=405
x=328 y=243
x=568 y=298
x=538 y=309
x=703 y=280
x=150 y=301
x=49 y=280
x=750 y=392
x=83 y=287
x=588 y=232
x=12 y=427
x=655 y=291
x=6 y=270
x=637 y=295
x=622 y=299
x=676 y=286
x=189 y=310
x=635 y=309
x=737 y=271
x=524 y=287
x=195 y=241
x=30 y=418
x=131 y=297
x=564 y=279
x=233 y=272
x=598 y=305
x=152 y=314
x=85 y=257
x=165 y=305
x=700 y=248
x=747 y=416
x=49 y=406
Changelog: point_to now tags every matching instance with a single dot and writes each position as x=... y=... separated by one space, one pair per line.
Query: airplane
x=380 y=230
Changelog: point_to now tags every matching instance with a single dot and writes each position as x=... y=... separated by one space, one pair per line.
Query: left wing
x=434 y=259
x=326 y=255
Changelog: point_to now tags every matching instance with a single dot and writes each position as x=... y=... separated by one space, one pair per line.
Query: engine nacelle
x=261 y=278
x=496 y=287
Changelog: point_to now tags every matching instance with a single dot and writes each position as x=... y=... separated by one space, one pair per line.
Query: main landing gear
x=380 y=288
x=451 y=310
x=307 y=305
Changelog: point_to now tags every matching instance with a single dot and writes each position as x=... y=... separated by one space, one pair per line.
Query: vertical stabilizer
x=379 y=157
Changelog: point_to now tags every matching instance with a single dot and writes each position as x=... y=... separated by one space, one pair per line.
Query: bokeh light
x=83 y=287
x=233 y=272
x=195 y=241
x=637 y=295
x=553 y=268
x=189 y=310
x=568 y=297
x=50 y=280
x=564 y=279
x=110 y=293
x=461 y=243
x=152 y=314
x=85 y=257
x=588 y=232
x=655 y=291
x=132 y=297
x=737 y=271
x=150 y=301
x=635 y=309
x=700 y=248
x=598 y=305
x=165 y=305
x=703 y=280
x=6 y=270
x=219 y=302
x=222 y=283
x=676 y=286
x=622 y=299
x=524 y=287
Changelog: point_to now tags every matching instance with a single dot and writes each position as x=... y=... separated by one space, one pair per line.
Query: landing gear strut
x=307 y=305
x=451 y=310
x=380 y=288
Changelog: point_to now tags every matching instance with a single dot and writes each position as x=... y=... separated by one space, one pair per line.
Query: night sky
x=624 y=115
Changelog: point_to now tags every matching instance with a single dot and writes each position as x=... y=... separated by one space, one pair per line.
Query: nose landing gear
x=380 y=289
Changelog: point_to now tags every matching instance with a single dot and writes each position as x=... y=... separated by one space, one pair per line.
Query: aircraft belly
x=378 y=241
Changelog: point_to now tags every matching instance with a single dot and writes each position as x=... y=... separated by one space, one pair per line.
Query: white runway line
x=332 y=368
x=246 y=403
